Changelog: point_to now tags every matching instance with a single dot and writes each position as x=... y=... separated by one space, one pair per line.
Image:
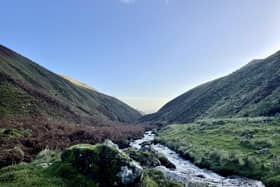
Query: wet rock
x=248 y=135
x=44 y=165
x=165 y=162
x=109 y=143
x=145 y=144
x=126 y=175
x=263 y=151
x=144 y=156
x=148 y=157
x=200 y=176
x=104 y=163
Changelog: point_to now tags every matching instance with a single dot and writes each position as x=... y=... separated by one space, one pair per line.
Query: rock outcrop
x=103 y=163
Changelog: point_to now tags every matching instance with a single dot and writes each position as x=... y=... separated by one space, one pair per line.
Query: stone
x=144 y=156
x=103 y=163
x=263 y=151
x=165 y=162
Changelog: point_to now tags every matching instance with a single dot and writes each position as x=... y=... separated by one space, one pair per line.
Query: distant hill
x=253 y=90
x=29 y=90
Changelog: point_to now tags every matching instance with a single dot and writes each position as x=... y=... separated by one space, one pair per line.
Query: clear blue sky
x=145 y=52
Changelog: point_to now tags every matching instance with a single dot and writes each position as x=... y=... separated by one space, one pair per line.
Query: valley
x=140 y=93
x=56 y=131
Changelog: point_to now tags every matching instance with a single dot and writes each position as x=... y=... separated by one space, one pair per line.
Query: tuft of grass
x=244 y=147
x=14 y=133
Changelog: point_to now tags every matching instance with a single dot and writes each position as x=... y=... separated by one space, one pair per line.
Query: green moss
x=154 y=178
x=148 y=182
x=70 y=175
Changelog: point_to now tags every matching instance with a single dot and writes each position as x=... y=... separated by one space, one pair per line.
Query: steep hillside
x=253 y=90
x=29 y=90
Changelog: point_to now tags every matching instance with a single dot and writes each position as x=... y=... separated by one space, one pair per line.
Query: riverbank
x=187 y=173
x=99 y=165
x=246 y=147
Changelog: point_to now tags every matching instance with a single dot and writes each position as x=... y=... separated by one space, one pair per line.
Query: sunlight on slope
x=77 y=83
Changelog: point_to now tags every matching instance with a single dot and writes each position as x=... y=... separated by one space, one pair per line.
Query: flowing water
x=191 y=175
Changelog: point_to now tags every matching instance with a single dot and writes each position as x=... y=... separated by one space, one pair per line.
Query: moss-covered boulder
x=148 y=157
x=103 y=163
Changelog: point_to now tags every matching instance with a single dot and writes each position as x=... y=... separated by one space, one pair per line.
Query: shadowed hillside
x=29 y=90
x=253 y=90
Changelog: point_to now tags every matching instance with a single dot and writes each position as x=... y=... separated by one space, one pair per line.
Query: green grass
x=14 y=133
x=28 y=175
x=248 y=147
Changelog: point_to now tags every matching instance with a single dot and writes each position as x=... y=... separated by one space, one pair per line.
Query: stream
x=191 y=175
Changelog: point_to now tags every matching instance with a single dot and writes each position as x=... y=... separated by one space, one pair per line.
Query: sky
x=144 y=52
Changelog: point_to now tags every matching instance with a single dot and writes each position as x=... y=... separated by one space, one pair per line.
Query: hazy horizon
x=142 y=52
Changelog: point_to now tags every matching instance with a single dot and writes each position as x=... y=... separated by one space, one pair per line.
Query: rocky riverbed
x=189 y=174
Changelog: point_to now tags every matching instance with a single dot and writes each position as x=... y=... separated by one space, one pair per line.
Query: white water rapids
x=191 y=175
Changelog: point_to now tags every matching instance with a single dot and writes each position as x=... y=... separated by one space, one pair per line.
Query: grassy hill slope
x=253 y=90
x=29 y=90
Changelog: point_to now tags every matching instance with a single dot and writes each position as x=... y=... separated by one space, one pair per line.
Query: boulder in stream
x=149 y=158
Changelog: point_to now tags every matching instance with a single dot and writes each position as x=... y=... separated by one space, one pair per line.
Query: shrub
x=35 y=134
